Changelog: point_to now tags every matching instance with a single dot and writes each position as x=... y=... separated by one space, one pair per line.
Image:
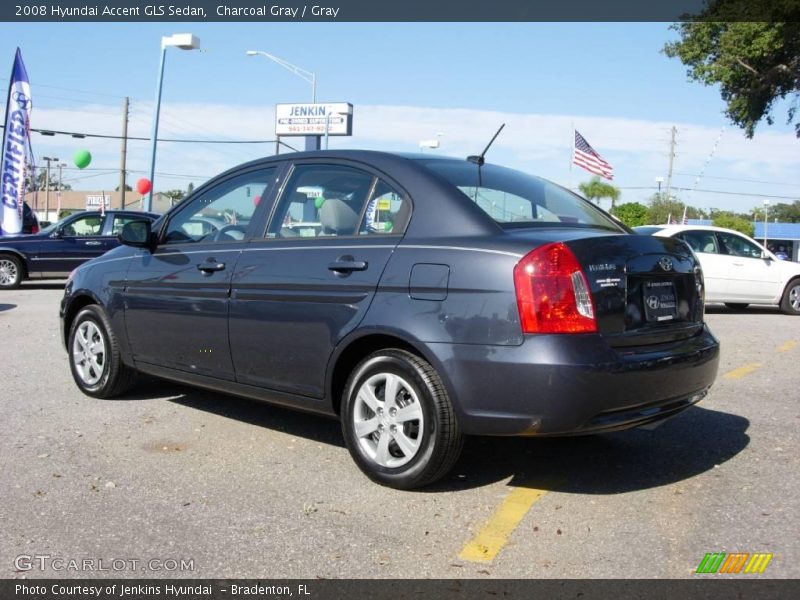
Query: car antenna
x=479 y=160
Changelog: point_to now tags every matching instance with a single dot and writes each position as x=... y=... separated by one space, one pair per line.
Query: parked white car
x=738 y=270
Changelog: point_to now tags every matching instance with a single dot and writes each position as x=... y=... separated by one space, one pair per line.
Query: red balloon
x=256 y=200
x=143 y=186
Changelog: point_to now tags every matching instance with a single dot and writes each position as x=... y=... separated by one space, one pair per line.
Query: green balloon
x=82 y=159
x=319 y=201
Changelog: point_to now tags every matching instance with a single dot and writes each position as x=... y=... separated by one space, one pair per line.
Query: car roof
x=677 y=228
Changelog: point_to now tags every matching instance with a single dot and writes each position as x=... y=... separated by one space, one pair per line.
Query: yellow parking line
x=786 y=346
x=742 y=371
x=495 y=533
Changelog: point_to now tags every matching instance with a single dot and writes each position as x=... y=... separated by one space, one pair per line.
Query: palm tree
x=596 y=189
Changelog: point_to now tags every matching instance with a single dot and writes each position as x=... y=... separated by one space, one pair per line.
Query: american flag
x=585 y=157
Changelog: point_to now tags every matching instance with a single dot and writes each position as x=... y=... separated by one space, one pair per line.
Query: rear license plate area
x=659 y=301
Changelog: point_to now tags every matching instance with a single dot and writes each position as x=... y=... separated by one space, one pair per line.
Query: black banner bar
x=382 y=11
x=702 y=587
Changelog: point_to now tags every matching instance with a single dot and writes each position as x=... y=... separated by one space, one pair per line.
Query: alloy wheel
x=8 y=272
x=388 y=420
x=89 y=353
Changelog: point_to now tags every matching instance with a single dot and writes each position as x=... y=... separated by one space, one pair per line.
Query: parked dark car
x=30 y=222
x=57 y=249
x=439 y=298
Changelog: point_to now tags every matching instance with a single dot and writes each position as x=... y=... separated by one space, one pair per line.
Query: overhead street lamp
x=312 y=141
x=432 y=143
x=184 y=41
x=301 y=73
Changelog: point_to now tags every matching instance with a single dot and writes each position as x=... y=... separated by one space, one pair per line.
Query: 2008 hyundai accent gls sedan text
x=418 y=299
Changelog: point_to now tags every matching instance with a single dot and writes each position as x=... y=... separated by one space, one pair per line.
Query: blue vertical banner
x=15 y=148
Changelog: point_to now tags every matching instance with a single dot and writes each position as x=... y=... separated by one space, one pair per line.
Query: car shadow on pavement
x=4 y=307
x=691 y=443
x=260 y=414
x=721 y=309
x=687 y=445
x=43 y=285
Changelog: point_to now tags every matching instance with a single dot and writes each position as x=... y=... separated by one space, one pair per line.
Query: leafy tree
x=661 y=209
x=631 y=213
x=595 y=190
x=735 y=222
x=174 y=196
x=755 y=60
x=127 y=188
x=40 y=182
x=785 y=213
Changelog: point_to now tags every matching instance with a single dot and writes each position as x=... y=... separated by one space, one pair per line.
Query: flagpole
x=571 y=154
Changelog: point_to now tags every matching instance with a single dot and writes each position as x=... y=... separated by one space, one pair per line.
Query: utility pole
x=47 y=187
x=58 y=191
x=672 y=145
x=123 y=152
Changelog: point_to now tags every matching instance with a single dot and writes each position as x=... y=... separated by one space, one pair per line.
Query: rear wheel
x=398 y=421
x=94 y=356
x=10 y=271
x=736 y=305
x=790 y=304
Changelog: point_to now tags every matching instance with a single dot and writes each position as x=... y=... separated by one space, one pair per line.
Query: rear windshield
x=514 y=199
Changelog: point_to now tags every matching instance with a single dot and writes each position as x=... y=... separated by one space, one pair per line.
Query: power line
x=743 y=180
x=76 y=134
x=685 y=189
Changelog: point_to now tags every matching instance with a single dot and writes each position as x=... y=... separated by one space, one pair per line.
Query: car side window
x=321 y=201
x=121 y=220
x=85 y=226
x=387 y=212
x=738 y=246
x=700 y=241
x=223 y=213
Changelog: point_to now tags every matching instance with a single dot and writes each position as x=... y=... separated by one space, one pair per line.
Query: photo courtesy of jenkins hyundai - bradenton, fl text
x=418 y=299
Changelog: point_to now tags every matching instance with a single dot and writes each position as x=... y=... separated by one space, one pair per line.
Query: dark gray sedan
x=434 y=298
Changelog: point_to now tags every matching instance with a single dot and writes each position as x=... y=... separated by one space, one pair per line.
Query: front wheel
x=94 y=356
x=398 y=421
x=790 y=304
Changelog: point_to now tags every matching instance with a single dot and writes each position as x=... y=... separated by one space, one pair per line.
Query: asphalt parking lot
x=243 y=489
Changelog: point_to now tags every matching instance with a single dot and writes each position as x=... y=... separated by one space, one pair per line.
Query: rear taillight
x=552 y=292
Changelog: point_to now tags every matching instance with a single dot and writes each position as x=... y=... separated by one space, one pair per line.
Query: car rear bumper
x=574 y=384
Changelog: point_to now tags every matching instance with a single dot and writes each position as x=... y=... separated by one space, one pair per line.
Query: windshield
x=515 y=199
x=647 y=229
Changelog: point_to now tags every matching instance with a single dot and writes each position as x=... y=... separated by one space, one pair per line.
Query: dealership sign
x=93 y=202
x=314 y=119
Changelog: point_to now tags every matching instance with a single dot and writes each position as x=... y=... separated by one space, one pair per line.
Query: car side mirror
x=57 y=233
x=136 y=234
x=765 y=255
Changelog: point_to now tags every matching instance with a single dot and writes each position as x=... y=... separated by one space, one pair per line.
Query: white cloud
x=533 y=142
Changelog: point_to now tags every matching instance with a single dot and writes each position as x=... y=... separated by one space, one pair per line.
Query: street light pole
x=301 y=73
x=48 y=160
x=766 y=207
x=312 y=141
x=184 y=41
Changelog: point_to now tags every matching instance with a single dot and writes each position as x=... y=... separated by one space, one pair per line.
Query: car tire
x=94 y=356
x=790 y=303
x=414 y=441
x=736 y=305
x=11 y=271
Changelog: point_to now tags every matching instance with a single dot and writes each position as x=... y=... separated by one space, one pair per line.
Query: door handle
x=210 y=266
x=92 y=243
x=347 y=265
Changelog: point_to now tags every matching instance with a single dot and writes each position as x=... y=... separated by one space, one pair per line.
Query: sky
x=408 y=82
